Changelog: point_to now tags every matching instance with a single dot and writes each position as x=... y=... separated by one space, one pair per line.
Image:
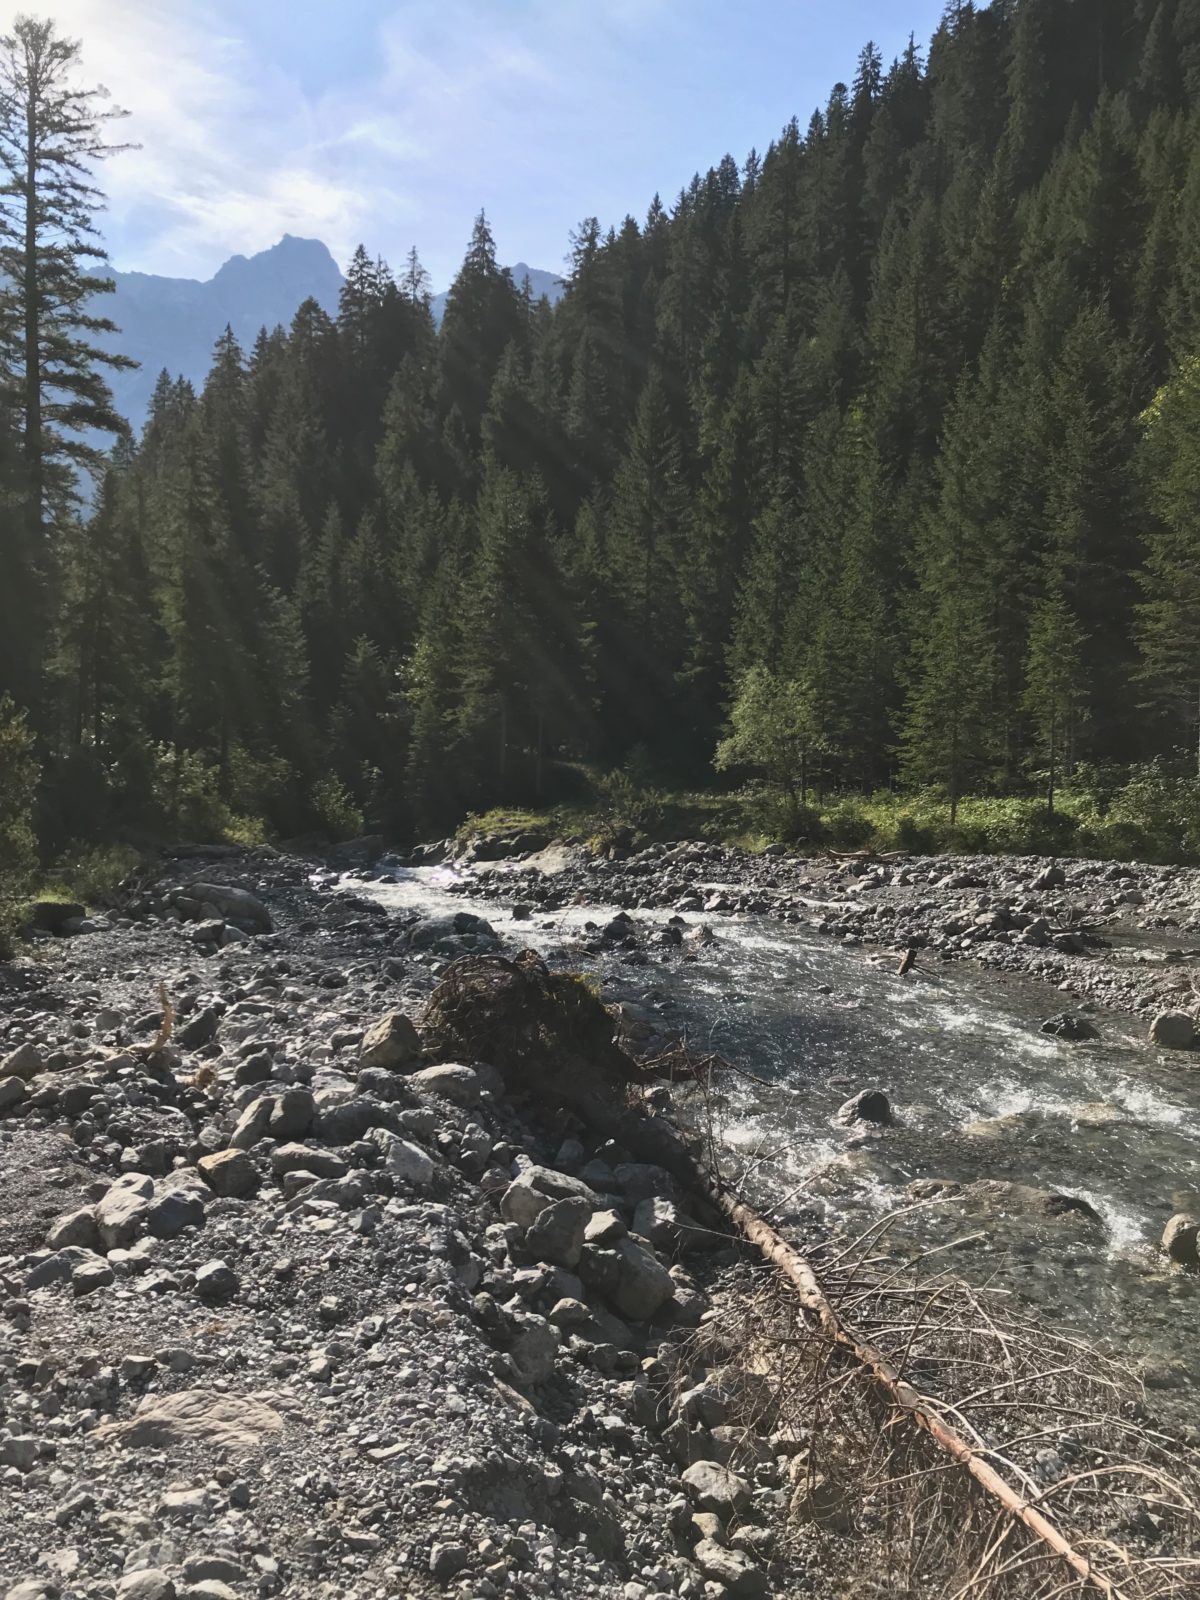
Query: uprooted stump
x=544 y=1031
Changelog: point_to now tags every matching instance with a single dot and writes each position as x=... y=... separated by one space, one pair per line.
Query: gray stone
x=121 y=1214
x=24 y=1062
x=77 y=1227
x=216 y=1280
x=21 y=1453
x=59 y=1267
x=172 y=1211
x=733 y=1568
x=705 y=1404
x=714 y=1488
x=238 y=905
x=391 y=1043
x=605 y=1228
x=658 y=1219
x=569 y=1313
x=305 y=1158
x=405 y=1160
x=641 y=1180
x=459 y=1085
x=529 y=1194
x=199 y=1029
x=1173 y=1030
x=251 y=1126
x=1181 y=1239
x=12 y=1092
x=556 y=1233
x=534 y=1348
x=152 y=1584
x=292 y=1114
x=643 y=1285
x=868 y=1105
x=446 y=1561
x=230 y=1173
x=92 y=1275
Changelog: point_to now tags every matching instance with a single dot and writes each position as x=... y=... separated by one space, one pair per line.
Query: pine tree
x=1168 y=618
x=51 y=133
x=1054 y=687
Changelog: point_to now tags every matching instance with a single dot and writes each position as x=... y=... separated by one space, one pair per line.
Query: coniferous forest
x=871 y=459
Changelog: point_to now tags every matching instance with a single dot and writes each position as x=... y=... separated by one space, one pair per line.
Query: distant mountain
x=174 y=322
x=540 y=283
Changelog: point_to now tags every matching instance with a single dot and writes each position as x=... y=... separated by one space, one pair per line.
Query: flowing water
x=978 y=1093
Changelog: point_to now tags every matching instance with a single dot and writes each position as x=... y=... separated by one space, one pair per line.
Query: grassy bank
x=1146 y=814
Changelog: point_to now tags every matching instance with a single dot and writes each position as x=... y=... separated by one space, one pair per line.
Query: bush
x=847 y=827
x=18 y=791
x=90 y=873
x=187 y=796
x=334 y=808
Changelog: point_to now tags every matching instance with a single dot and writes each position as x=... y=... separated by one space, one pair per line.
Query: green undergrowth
x=1138 y=814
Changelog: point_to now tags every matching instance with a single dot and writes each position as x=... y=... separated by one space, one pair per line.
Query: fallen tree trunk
x=797 y=1270
x=654 y=1141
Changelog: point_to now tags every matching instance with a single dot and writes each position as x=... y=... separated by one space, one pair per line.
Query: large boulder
x=714 y=1488
x=732 y=1569
x=230 y=1173
x=460 y=1085
x=1173 y=1030
x=1181 y=1239
x=77 y=1227
x=121 y=1214
x=460 y=934
x=404 y=1159
x=24 y=1062
x=868 y=1105
x=528 y=1195
x=643 y=1284
x=391 y=1043
x=238 y=906
x=12 y=1092
x=556 y=1234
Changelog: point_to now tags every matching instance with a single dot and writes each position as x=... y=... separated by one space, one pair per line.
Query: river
x=980 y=1097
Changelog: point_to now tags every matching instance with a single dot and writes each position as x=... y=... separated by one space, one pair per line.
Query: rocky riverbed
x=290 y=1307
x=289 y=1310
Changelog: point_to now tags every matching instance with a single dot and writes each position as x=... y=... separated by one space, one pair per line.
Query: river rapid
x=993 y=1118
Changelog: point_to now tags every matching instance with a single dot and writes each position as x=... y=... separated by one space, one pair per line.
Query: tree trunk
x=34 y=467
x=1050 y=776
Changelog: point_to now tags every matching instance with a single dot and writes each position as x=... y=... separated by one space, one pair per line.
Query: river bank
x=282 y=1314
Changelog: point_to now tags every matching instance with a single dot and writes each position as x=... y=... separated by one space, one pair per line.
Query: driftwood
x=803 y=1280
x=653 y=1140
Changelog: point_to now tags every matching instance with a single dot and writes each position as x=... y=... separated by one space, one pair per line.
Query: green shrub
x=847 y=826
x=90 y=873
x=188 y=799
x=335 y=809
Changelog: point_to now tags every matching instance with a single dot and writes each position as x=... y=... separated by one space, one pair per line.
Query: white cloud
x=448 y=103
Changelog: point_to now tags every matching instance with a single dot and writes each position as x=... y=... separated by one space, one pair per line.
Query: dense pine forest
x=869 y=461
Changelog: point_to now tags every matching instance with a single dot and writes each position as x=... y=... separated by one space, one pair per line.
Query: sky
x=393 y=122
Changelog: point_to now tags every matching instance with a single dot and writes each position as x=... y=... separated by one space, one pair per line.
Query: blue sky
x=395 y=122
